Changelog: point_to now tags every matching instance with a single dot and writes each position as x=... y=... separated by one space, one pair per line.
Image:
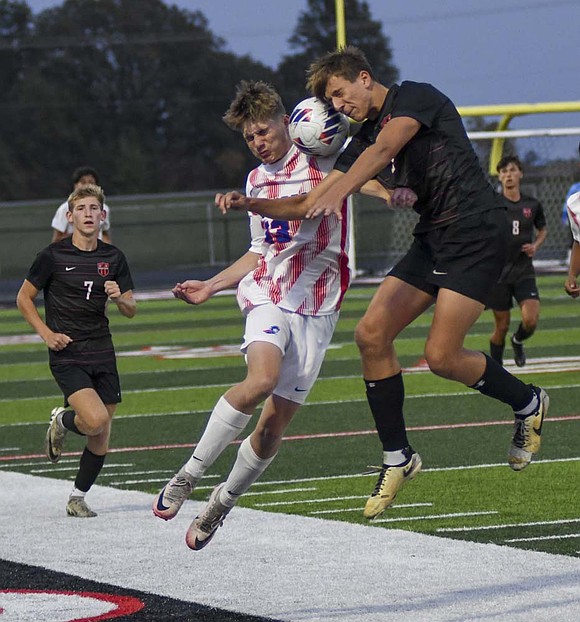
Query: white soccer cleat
x=204 y=526
x=169 y=501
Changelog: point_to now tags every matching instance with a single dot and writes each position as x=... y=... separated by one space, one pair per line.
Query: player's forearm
x=29 y=312
x=233 y=274
x=574 y=268
x=371 y=161
x=286 y=208
x=127 y=305
x=541 y=236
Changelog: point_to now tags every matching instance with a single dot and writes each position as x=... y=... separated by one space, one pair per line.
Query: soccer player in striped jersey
x=79 y=276
x=291 y=283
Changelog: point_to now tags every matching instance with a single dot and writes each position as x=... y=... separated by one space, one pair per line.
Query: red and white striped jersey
x=303 y=264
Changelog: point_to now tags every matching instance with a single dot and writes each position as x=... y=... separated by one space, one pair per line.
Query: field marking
x=323 y=500
x=509 y=525
x=282 y=491
x=74 y=467
x=303 y=437
x=346 y=476
x=359 y=509
x=433 y=516
x=320 y=380
x=557 y=537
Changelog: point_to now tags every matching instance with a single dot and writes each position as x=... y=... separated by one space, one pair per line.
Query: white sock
x=529 y=409
x=75 y=492
x=246 y=470
x=395 y=458
x=224 y=426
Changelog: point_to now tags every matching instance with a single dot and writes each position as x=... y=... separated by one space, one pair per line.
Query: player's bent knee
x=440 y=362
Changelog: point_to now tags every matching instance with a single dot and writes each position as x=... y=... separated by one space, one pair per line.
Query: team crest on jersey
x=103 y=268
x=527 y=212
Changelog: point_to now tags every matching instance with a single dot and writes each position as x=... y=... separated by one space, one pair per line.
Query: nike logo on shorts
x=437 y=272
x=69 y=269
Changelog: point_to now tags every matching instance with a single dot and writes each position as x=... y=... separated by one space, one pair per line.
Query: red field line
x=300 y=437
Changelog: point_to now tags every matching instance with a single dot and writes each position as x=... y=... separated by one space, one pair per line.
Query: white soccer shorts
x=302 y=339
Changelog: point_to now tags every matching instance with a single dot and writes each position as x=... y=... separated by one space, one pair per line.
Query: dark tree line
x=137 y=88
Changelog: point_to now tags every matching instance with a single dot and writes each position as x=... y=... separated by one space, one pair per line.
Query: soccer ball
x=316 y=128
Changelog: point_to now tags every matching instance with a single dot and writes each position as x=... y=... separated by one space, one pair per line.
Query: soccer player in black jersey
x=79 y=275
x=413 y=141
x=527 y=231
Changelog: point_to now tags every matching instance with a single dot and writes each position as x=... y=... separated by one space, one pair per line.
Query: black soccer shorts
x=466 y=256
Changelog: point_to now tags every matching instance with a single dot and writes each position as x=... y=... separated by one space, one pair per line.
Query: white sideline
x=288 y=567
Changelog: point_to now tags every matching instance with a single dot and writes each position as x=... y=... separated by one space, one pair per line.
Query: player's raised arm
x=391 y=139
x=287 y=208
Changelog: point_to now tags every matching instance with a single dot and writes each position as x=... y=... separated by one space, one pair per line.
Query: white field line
x=557 y=537
x=509 y=525
x=359 y=509
x=75 y=467
x=203 y=411
x=284 y=482
x=323 y=500
x=432 y=516
x=281 y=491
x=548 y=368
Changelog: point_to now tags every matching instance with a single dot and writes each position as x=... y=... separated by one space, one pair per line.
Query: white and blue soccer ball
x=316 y=128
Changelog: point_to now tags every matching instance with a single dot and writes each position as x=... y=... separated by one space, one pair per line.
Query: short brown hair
x=345 y=63
x=506 y=160
x=86 y=191
x=254 y=101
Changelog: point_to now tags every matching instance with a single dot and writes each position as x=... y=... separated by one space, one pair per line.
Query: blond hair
x=90 y=190
x=345 y=63
x=255 y=101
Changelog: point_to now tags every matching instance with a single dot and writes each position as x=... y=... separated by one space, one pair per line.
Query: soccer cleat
x=204 y=526
x=55 y=434
x=169 y=501
x=391 y=480
x=528 y=434
x=77 y=507
x=519 y=352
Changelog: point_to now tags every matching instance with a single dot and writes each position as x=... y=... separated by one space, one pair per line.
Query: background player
x=61 y=227
x=79 y=275
x=527 y=231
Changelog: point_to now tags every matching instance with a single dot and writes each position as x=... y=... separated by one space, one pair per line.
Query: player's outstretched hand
x=57 y=341
x=572 y=288
x=326 y=205
x=193 y=292
x=403 y=197
x=230 y=200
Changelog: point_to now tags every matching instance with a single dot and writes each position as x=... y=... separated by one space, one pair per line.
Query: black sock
x=496 y=352
x=68 y=421
x=498 y=383
x=89 y=468
x=522 y=334
x=385 y=399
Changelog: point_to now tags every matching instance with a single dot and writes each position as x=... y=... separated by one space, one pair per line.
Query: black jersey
x=73 y=283
x=438 y=163
x=524 y=217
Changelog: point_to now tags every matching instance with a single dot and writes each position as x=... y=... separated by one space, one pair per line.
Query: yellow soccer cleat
x=391 y=480
x=527 y=436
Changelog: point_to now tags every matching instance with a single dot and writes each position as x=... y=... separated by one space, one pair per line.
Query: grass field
x=176 y=360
